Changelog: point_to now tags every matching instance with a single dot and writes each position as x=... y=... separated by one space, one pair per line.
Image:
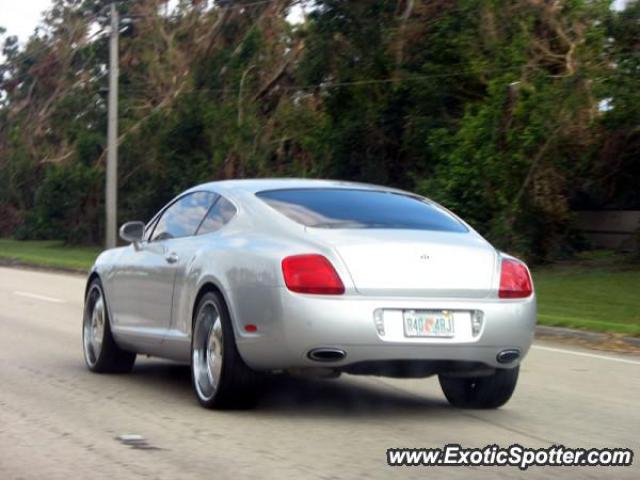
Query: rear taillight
x=515 y=281
x=311 y=274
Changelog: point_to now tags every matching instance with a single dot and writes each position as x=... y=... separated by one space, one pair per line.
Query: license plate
x=428 y=323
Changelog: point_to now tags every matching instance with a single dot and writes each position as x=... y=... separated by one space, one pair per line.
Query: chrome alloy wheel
x=206 y=356
x=94 y=325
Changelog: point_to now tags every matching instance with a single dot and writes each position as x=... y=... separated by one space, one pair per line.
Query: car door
x=143 y=283
x=220 y=213
x=177 y=342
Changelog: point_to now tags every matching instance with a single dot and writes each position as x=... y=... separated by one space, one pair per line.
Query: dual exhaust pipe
x=508 y=356
x=328 y=354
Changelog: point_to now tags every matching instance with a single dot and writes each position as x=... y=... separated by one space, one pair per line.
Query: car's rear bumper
x=296 y=324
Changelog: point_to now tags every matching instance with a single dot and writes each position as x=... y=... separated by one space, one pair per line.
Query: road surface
x=57 y=420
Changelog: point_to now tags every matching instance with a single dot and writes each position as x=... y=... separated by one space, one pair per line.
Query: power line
x=331 y=85
x=33 y=53
x=32 y=56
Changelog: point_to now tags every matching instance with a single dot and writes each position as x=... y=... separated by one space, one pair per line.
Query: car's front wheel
x=491 y=391
x=220 y=377
x=101 y=353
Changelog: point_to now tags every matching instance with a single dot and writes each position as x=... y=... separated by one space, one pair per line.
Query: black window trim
x=206 y=215
x=210 y=208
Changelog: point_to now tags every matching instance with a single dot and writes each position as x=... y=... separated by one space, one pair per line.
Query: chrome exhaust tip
x=508 y=356
x=326 y=354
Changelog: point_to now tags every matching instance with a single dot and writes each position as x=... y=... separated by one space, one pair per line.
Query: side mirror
x=132 y=232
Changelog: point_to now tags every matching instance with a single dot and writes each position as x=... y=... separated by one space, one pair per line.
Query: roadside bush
x=67 y=205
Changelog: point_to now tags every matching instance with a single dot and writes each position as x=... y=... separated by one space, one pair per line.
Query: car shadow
x=289 y=395
x=346 y=395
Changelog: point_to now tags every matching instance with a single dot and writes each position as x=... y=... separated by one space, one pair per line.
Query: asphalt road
x=57 y=420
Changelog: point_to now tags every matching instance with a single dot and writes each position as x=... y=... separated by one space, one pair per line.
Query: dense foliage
x=511 y=113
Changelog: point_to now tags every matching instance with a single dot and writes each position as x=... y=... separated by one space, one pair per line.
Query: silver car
x=243 y=278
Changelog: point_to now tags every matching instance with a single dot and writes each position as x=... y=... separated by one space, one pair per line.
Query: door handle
x=171 y=257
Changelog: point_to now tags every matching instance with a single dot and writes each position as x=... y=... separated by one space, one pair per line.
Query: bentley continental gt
x=243 y=278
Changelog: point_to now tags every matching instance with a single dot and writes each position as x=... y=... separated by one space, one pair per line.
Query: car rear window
x=353 y=208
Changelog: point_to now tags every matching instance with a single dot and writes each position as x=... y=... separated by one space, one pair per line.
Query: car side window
x=181 y=219
x=218 y=216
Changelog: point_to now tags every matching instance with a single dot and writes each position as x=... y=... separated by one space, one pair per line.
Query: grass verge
x=49 y=254
x=598 y=291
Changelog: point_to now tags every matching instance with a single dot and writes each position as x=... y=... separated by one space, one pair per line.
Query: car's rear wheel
x=101 y=353
x=480 y=392
x=220 y=377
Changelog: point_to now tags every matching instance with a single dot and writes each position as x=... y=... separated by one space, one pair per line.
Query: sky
x=21 y=17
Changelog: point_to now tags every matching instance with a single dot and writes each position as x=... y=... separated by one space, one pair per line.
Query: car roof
x=254 y=185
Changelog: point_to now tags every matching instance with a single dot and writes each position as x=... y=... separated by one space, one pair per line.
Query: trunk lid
x=414 y=263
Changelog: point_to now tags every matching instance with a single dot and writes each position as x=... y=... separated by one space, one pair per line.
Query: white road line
x=39 y=297
x=584 y=354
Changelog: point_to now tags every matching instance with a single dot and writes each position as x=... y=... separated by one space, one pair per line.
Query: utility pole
x=111 y=203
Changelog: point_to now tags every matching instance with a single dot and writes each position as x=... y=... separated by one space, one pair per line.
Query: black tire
x=235 y=385
x=481 y=392
x=109 y=357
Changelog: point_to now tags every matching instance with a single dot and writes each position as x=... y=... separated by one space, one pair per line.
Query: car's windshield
x=355 y=208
